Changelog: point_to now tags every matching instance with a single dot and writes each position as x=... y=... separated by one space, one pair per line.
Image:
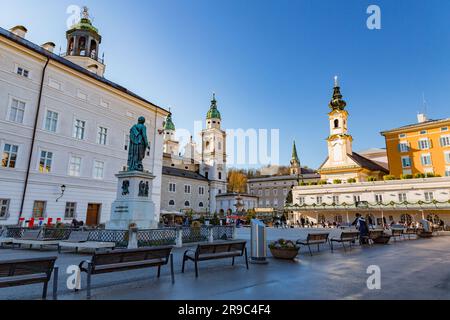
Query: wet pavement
x=410 y=269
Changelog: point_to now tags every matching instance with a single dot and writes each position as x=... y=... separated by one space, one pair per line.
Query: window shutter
x=430 y=143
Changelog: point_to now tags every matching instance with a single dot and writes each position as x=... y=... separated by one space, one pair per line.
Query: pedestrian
x=363 y=228
x=303 y=222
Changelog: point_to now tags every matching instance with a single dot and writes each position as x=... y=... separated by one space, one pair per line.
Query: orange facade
x=420 y=148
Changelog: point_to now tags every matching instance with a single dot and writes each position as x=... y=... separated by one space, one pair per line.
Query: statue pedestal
x=133 y=203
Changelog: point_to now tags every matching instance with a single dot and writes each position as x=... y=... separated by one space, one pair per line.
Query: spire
x=336 y=102
x=169 y=123
x=294 y=153
x=213 y=113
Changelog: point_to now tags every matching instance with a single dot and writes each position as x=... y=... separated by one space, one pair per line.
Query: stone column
x=179 y=238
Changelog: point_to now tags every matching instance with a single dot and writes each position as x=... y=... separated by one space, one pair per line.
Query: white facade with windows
x=73 y=145
x=394 y=200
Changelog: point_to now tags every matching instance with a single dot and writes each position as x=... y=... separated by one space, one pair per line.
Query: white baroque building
x=64 y=129
x=383 y=201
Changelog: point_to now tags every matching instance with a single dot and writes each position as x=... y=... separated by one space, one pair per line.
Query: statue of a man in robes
x=138 y=146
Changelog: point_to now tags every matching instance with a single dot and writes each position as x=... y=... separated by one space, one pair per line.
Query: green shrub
x=372 y=179
x=337 y=181
x=406 y=176
x=313 y=183
x=419 y=176
x=389 y=177
x=430 y=175
x=322 y=182
x=351 y=180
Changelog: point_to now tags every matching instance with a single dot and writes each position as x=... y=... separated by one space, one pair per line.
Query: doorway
x=93 y=214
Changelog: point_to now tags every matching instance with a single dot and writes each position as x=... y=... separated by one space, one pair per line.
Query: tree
x=237 y=181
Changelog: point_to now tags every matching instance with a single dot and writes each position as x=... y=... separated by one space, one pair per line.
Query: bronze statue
x=138 y=146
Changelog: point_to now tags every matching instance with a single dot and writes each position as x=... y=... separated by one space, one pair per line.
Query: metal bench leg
x=196 y=268
x=59 y=248
x=44 y=291
x=318 y=247
x=310 y=252
x=331 y=245
x=246 y=257
x=184 y=262
x=171 y=268
x=55 y=283
x=343 y=244
x=159 y=271
x=88 y=282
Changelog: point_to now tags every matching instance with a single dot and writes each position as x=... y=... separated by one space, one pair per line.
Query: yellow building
x=421 y=148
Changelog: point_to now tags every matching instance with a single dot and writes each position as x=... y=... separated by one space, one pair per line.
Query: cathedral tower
x=213 y=164
x=295 y=162
x=171 y=146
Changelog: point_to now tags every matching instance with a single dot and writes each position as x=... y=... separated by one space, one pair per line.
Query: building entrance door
x=93 y=214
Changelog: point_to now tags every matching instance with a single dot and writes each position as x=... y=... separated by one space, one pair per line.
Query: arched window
x=220 y=175
x=187 y=203
x=200 y=204
x=82 y=46
x=336 y=123
x=171 y=203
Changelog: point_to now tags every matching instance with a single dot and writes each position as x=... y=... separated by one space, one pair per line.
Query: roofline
x=415 y=126
x=52 y=56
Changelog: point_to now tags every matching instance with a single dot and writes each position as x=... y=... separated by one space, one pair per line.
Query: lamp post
x=63 y=189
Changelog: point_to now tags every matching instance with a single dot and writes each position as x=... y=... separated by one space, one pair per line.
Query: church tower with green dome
x=171 y=145
x=83 y=45
x=214 y=157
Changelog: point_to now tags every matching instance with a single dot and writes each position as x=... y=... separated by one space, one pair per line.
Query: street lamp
x=63 y=189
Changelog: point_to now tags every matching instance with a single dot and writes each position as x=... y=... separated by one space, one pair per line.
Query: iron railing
x=119 y=237
x=156 y=237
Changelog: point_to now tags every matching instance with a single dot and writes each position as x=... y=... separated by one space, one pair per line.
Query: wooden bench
x=397 y=233
x=79 y=240
x=29 y=271
x=122 y=260
x=314 y=239
x=34 y=237
x=377 y=236
x=346 y=236
x=214 y=251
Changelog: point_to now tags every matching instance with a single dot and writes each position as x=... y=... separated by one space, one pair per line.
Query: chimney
x=49 y=46
x=421 y=118
x=20 y=31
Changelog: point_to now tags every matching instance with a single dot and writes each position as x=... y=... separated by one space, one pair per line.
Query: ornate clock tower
x=339 y=141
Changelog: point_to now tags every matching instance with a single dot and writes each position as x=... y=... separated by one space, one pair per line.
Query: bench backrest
x=220 y=247
x=349 y=235
x=78 y=236
x=120 y=256
x=27 y=266
x=318 y=236
x=31 y=234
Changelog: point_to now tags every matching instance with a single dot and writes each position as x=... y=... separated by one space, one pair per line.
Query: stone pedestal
x=133 y=203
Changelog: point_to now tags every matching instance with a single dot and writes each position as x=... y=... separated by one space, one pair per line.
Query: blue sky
x=271 y=63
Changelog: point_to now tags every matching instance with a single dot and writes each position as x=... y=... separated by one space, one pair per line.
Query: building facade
x=383 y=201
x=342 y=163
x=272 y=191
x=64 y=130
x=235 y=203
x=192 y=181
x=421 y=148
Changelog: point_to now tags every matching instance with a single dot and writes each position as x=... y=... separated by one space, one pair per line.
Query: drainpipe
x=36 y=118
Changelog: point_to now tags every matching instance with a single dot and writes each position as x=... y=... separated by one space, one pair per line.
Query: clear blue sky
x=271 y=63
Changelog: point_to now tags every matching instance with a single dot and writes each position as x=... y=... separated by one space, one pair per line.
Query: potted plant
x=284 y=249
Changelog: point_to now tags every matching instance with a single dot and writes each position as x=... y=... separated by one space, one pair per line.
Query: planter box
x=287 y=254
